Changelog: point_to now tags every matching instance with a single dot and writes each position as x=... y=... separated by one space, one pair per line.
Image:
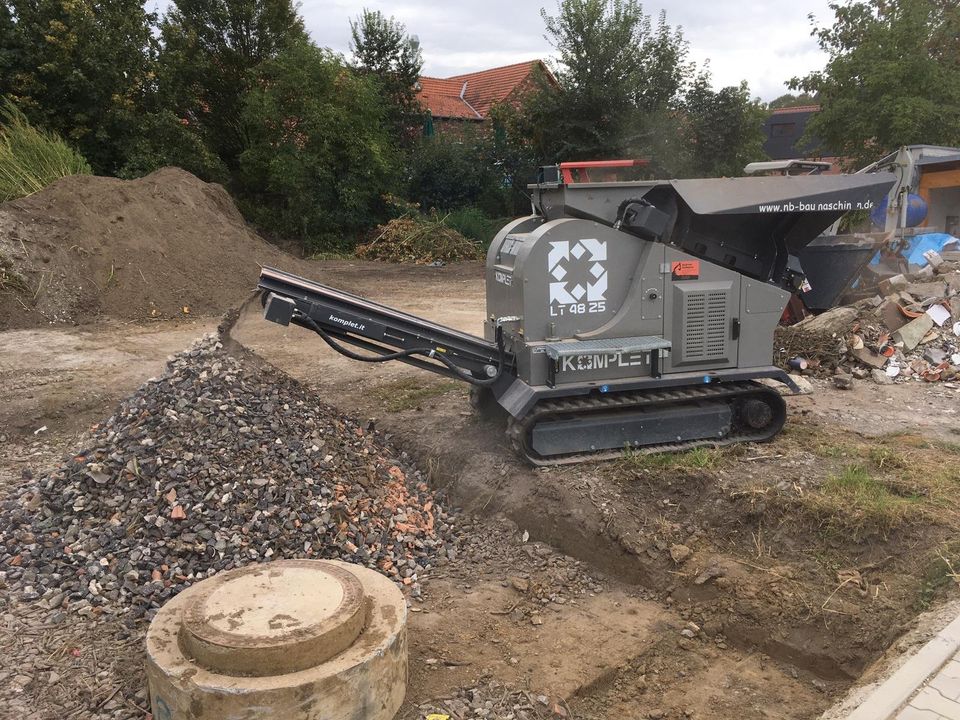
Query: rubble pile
x=212 y=466
x=908 y=331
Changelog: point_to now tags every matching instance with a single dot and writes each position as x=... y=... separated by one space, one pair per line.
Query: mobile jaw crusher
x=619 y=314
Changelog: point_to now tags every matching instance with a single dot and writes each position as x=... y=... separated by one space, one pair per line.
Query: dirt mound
x=164 y=245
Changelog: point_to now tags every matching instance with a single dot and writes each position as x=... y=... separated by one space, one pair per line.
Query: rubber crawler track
x=519 y=430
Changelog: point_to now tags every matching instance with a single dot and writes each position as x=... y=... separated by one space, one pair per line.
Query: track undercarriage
x=601 y=427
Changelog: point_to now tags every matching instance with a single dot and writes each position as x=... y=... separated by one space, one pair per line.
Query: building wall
x=944 y=203
x=783 y=131
x=453 y=129
x=940 y=187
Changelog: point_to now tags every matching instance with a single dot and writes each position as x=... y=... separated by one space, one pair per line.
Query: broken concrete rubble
x=908 y=328
x=880 y=377
x=890 y=285
x=913 y=332
x=836 y=320
x=927 y=290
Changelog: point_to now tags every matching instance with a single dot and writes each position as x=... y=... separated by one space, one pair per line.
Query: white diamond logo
x=598 y=249
x=569 y=264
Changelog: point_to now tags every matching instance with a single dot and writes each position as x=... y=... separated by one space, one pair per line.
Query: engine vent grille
x=705 y=325
x=695 y=315
x=716 y=324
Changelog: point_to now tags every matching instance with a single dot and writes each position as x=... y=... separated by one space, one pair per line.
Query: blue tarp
x=920 y=244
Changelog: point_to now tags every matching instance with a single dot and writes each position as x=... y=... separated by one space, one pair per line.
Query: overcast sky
x=765 y=42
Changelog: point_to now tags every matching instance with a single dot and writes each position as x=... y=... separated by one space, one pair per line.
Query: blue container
x=916 y=212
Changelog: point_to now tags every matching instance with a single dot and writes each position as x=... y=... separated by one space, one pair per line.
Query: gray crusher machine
x=619 y=314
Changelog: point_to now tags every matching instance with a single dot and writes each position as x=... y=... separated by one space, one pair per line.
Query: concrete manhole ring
x=273 y=618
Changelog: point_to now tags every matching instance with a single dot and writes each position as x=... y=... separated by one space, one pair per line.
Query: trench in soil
x=826 y=646
x=579 y=539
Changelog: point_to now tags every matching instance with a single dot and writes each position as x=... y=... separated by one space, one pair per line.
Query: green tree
x=722 y=129
x=166 y=139
x=209 y=50
x=892 y=78
x=382 y=47
x=525 y=131
x=9 y=47
x=318 y=158
x=617 y=72
x=83 y=69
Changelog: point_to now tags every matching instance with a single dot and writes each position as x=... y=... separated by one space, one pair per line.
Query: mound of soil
x=164 y=245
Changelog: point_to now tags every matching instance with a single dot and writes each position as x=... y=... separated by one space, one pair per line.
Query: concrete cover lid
x=273 y=619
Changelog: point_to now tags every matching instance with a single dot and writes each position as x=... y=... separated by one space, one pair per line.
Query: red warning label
x=685 y=269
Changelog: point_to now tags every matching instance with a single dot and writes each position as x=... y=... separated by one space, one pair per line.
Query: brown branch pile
x=822 y=348
x=419 y=240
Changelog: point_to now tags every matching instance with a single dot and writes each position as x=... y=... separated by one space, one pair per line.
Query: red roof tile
x=473 y=94
x=442 y=98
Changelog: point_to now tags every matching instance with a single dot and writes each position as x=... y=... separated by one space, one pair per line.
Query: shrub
x=447 y=173
x=473 y=223
x=30 y=158
x=166 y=140
x=318 y=157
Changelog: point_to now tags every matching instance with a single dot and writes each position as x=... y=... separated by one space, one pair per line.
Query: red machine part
x=574 y=172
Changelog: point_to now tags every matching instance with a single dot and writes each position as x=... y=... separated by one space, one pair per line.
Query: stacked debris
x=909 y=330
x=215 y=465
x=422 y=240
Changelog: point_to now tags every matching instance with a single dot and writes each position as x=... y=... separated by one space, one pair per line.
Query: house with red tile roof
x=470 y=97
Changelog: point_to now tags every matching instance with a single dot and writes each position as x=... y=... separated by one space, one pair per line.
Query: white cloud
x=765 y=42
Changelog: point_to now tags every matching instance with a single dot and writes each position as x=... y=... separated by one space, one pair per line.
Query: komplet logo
x=579 y=271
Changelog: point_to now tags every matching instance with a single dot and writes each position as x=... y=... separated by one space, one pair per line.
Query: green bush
x=167 y=140
x=31 y=159
x=318 y=158
x=447 y=173
x=473 y=223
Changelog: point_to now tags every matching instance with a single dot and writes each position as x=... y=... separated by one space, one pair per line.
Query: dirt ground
x=755 y=582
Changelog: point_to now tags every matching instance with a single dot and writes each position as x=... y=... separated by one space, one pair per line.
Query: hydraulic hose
x=399 y=355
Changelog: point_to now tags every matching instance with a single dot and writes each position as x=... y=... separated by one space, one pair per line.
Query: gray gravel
x=214 y=465
x=495 y=701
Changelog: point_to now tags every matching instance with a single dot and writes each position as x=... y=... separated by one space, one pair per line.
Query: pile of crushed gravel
x=214 y=465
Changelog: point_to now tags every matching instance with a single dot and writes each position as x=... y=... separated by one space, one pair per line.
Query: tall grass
x=30 y=158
